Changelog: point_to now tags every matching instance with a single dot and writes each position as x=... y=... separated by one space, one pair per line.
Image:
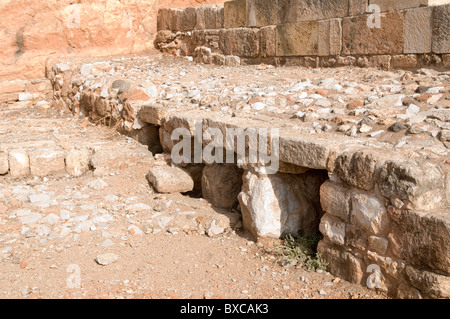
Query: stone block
x=389 y=5
x=369 y=213
x=235 y=14
x=280 y=204
x=330 y=37
x=404 y=61
x=209 y=17
x=114 y=158
x=424 y=239
x=430 y=284
x=357 y=169
x=165 y=18
x=45 y=162
x=418 y=30
x=262 y=13
x=357 y=7
x=242 y=42
x=184 y=19
x=77 y=161
x=335 y=200
x=4 y=164
x=305 y=151
x=298 y=39
x=221 y=184
x=446 y=60
x=342 y=263
x=152 y=114
x=441 y=29
x=267 y=41
x=19 y=163
x=360 y=39
x=408 y=179
x=333 y=229
x=167 y=179
x=308 y=10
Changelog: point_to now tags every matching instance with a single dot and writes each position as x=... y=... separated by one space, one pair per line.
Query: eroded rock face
x=221 y=184
x=274 y=205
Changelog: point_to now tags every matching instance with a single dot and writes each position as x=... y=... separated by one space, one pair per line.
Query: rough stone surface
x=357 y=169
x=335 y=200
x=221 y=184
x=431 y=284
x=280 y=204
x=418 y=30
x=441 y=29
x=235 y=13
x=342 y=263
x=47 y=162
x=333 y=229
x=385 y=40
x=77 y=161
x=427 y=236
x=167 y=179
x=242 y=42
x=19 y=163
x=4 y=164
x=261 y=13
x=369 y=213
x=299 y=38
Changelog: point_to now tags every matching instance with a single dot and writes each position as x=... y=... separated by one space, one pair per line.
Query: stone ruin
x=375 y=205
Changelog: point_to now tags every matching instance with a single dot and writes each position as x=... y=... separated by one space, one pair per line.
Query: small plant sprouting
x=301 y=249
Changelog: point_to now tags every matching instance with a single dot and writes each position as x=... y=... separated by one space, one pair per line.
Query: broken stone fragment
x=77 y=161
x=19 y=163
x=106 y=259
x=167 y=179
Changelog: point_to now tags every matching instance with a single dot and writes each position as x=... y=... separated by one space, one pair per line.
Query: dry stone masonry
x=363 y=154
x=327 y=33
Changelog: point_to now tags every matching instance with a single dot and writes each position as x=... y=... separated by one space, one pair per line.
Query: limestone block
x=335 y=200
x=369 y=213
x=307 y=10
x=298 y=39
x=184 y=19
x=357 y=169
x=77 y=161
x=279 y=204
x=235 y=14
x=360 y=39
x=167 y=179
x=209 y=17
x=19 y=163
x=152 y=114
x=4 y=165
x=418 y=30
x=305 y=151
x=333 y=229
x=357 y=7
x=267 y=41
x=446 y=60
x=389 y=5
x=441 y=29
x=165 y=18
x=114 y=158
x=261 y=13
x=330 y=37
x=242 y=42
x=424 y=239
x=45 y=162
x=342 y=263
x=221 y=184
x=404 y=61
x=429 y=283
x=409 y=179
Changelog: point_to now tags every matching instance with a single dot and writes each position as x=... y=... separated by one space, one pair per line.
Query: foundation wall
x=328 y=33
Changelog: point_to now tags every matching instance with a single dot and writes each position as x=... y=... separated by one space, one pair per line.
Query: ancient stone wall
x=326 y=33
x=32 y=31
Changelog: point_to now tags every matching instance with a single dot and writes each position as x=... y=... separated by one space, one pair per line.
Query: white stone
x=106 y=259
x=369 y=212
x=333 y=229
